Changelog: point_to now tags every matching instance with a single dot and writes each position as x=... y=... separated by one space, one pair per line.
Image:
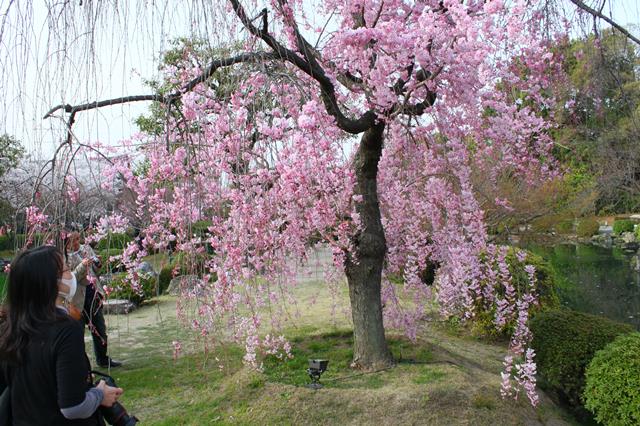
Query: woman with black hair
x=42 y=349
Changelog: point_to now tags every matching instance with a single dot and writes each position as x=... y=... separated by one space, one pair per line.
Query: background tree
x=599 y=118
x=11 y=153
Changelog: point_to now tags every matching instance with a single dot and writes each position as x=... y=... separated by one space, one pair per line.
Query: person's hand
x=110 y=394
x=87 y=262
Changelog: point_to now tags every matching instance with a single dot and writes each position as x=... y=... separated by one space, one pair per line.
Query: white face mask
x=72 y=284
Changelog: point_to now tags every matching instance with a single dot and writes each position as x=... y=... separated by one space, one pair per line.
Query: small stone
x=146 y=269
x=117 y=306
x=628 y=237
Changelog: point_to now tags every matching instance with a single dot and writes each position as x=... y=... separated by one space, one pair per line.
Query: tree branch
x=98 y=104
x=221 y=63
x=605 y=18
x=171 y=98
x=312 y=68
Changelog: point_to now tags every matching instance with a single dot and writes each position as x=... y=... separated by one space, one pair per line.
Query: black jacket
x=55 y=373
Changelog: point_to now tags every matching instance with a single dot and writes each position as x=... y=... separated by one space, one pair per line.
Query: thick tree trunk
x=364 y=273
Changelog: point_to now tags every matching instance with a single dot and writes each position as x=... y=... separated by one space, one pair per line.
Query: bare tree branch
x=605 y=18
x=98 y=104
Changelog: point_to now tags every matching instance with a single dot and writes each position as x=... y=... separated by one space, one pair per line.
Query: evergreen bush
x=565 y=341
x=564 y=227
x=612 y=391
x=109 y=266
x=587 y=226
x=122 y=290
x=622 y=225
x=166 y=275
x=6 y=242
x=113 y=240
x=483 y=323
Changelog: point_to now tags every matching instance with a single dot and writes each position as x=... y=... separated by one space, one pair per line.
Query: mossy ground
x=444 y=378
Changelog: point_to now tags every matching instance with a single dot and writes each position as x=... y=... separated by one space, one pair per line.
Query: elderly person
x=88 y=297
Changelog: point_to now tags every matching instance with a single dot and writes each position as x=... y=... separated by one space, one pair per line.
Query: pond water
x=595 y=280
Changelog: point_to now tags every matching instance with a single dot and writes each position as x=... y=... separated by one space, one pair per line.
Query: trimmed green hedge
x=111 y=241
x=622 y=225
x=565 y=341
x=587 y=226
x=612 y=390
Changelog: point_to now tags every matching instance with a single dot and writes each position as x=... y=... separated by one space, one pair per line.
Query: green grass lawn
x=443 y=378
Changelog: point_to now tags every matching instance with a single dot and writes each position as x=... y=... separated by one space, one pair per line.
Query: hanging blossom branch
x=600 y=15
x=165 y=99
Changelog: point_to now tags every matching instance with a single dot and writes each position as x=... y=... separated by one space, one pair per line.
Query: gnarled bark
x=364 y=272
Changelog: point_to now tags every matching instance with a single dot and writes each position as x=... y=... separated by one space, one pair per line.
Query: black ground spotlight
x=315 y=370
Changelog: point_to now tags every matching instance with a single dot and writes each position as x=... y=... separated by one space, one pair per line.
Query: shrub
x=587 y=226
x=201 y=227
x=565 y=341
x=122 y=290
x=6 y=242
x=545 y=284
x=622 y=225
x=107 y=266
x=114 y=240
x=545 y=288
x=612 y=391
x=166 y=275
x=637 y=232
x=564 y=227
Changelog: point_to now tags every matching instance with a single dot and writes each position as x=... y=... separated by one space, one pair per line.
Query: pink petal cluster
x=36 y=220
x=112 y=224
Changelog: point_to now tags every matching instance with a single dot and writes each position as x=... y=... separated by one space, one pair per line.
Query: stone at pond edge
x=146 y=269
x=604 y=240
x=117 y=306
x=628 y=237
x=184 y=283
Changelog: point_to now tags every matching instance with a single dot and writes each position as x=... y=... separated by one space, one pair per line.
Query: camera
x=96 y=261
x=115 y=415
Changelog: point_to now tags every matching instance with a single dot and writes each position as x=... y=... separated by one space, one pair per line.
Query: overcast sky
x=39 y=68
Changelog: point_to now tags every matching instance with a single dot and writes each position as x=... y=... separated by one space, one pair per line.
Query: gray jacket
x=74 y=261
x=81 y=272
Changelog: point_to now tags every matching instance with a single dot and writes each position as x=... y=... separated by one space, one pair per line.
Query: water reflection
x=595 y=279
